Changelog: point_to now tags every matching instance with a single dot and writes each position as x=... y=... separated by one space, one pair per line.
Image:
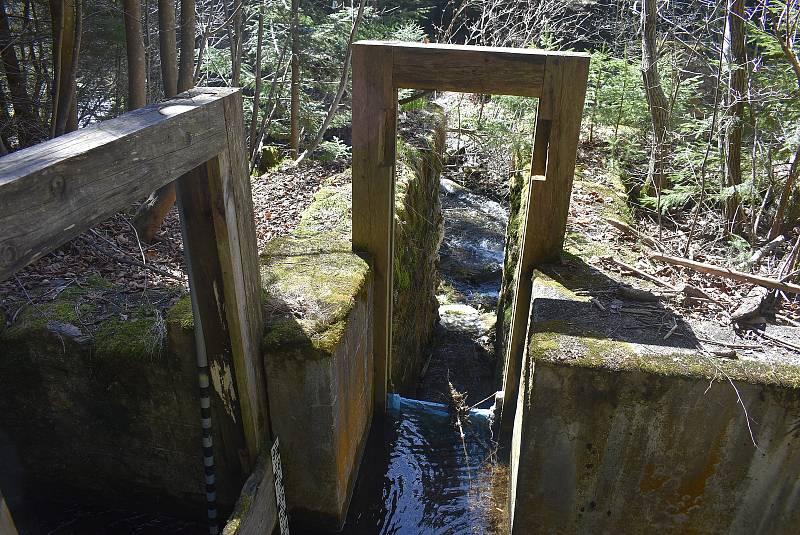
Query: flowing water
x=422 y=472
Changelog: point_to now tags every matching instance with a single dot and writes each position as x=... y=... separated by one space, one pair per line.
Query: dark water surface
x=420 y=477
x=63 y=518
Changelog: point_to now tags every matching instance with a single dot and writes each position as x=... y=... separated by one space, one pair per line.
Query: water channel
x=440 y=474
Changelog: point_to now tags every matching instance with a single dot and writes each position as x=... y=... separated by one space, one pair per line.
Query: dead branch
x=627 y=229
x=641 y=273
x=727 y=273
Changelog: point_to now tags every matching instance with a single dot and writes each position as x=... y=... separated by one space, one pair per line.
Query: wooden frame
x=558 y=79
x=56 y=190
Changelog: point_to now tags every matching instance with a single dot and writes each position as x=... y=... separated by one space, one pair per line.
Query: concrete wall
x=106 y=405
x=418 y=234
x=616 y=435
x=318 y=360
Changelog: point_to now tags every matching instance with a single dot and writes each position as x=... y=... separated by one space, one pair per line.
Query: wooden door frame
x=557 y=79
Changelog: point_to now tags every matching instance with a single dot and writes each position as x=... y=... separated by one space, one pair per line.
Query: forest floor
x=112 y=250
x=730 y=318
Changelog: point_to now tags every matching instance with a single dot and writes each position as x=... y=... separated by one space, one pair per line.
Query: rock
x=68 y=330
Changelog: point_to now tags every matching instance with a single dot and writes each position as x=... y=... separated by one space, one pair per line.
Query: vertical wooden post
x=558 y=125
x=374 y=127
x=7 y=526
x=220 y=248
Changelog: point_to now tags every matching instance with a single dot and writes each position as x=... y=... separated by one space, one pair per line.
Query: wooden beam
x=238 y=251
x=550 y=187
x=220 y=247
x=374 y=129
x=7 y=526
x=469 y=69
x=51 y=192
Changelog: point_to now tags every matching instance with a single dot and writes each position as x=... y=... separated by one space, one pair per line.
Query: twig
x=627 y=229
x=787 y=319
x=766 y=282
x=639 y=272
x=779 y=341
x=727 y=344
x=740 y=400
x=131 y=262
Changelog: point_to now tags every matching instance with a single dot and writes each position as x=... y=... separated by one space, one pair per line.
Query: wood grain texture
x=505 y=71
x=469 y=69
x=374 y=128
x=555 y=145
x=256 y=511
x=238 y=252
x=53 y=191
x=6 y=522
x=212 y=332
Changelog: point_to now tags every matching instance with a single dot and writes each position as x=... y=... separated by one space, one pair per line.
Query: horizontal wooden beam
x=51 y=192
x=468 y=69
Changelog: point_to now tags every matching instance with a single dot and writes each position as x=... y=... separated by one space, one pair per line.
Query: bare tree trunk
x=24 y=119
x=188 y=29
x=342 y=84
x=656 y=99
x=67 y=27
x=784 y=35
x=167 y=47
x=154 y=210
x=251 y=139
x=736 y=60
x=294 y=138
x=134 y=47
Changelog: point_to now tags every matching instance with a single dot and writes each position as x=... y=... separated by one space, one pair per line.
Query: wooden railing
x=56 y=190
x=558 y=79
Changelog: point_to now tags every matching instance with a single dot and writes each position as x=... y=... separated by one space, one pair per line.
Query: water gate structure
x=320 y=408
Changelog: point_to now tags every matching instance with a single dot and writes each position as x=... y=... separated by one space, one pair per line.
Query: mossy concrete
x=318 y=359
x=418 y=231
x=99 y=396
x=622 y=429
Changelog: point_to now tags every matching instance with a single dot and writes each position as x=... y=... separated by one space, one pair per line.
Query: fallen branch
x=766 y=249
x=627 y=229
x=642 y=274
x=779 y=341
x=758 y=280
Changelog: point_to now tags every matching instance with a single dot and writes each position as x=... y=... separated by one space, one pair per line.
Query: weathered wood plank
x=53 y=191
x=555 y=145
x=7 y=526
x=374 y=127
x=212 y=334
x=507 y=71
x=504 y=71
x=256 y=511
x=238 y=253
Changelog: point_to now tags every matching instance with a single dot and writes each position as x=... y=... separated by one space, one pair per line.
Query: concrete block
x=318 y=362
x=619 y=430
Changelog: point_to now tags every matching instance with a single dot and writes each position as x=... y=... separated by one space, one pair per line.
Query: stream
x=439 y=477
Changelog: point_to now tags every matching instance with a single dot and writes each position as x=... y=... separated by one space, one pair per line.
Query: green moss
x=181 y=313
x=141 y=337
x=311 y=279
x=572 y=344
